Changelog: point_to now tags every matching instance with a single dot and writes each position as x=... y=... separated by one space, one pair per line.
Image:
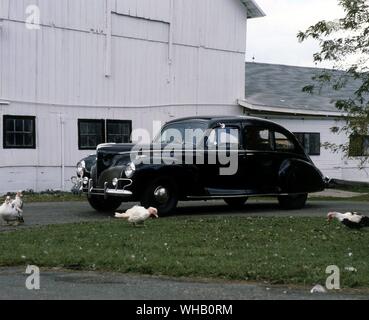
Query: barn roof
x=253 y=10
x=278 y=88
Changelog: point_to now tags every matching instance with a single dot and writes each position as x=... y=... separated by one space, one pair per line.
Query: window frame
x=303 y=145
x=33 y=133
x=353 y=153
x=80 y=121
x=104 y=130
x=217 y=129
x=107 y=121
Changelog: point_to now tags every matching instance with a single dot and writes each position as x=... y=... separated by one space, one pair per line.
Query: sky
x=272 y=39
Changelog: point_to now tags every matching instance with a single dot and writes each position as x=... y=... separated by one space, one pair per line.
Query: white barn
x=275 y=92
x=75 y=73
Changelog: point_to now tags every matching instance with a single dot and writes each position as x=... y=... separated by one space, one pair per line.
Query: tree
x=345 y=43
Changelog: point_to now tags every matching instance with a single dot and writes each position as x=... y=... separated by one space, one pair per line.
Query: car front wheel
x=293 y=202
x=103 y=205
x=161 y=194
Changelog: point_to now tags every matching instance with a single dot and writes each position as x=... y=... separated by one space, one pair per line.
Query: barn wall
x=169 y=58
x=83 y=15
x=64 y=62
x=147 y=9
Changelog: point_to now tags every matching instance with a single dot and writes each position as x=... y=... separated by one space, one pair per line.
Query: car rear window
x=282 y=143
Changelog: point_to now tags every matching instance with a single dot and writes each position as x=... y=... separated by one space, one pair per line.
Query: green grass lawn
x=360 y=198
x=353 y=188
x=52 y=197
x=276 y=250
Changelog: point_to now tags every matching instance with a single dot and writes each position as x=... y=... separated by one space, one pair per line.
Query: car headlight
x=115 y=182
x=81 y=166
x=130 y=170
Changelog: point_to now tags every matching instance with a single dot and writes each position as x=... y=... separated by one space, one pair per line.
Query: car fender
x=299 y=176
x=185 y=176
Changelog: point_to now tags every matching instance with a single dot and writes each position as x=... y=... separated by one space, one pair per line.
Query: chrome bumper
x=83 y=186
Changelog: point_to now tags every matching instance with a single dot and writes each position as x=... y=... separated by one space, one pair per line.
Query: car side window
x=257 y=139
x=282 y=143
x=221 y=137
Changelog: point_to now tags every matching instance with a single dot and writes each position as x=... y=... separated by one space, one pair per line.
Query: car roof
x=211 y=119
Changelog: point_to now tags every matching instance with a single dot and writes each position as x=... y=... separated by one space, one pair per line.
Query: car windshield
x=189 y=133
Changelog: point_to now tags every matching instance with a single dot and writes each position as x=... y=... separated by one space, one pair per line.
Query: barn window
x=91 y=133
x=310 y=142
x=359 y=146
x=19 y=132
x=118 y=131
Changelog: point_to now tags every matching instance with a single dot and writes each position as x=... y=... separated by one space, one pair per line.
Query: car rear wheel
x=236 y=203
x=293 y=202
x=103 y=205
x=161 y=194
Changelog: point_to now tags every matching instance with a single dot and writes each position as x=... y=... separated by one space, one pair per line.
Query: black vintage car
x=204 y=158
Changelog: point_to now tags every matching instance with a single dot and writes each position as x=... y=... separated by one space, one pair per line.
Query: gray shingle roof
x=253 y=9
x=280 y=86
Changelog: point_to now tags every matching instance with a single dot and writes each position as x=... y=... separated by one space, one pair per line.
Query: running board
x=215 y=197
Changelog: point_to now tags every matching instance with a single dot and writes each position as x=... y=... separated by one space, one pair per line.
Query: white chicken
x=351 y=220
x=10 y=214
x=18 y=201
x=138 y=215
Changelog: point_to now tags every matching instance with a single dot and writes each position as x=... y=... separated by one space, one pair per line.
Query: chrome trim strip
x=241 y=196
x=90 y=187
x=105 y=189
x=118 y=192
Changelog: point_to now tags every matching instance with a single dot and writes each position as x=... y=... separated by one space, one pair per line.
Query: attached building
x=76 y=73
x=275 y=92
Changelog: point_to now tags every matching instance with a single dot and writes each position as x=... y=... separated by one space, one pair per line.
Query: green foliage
x=288 y=250
x=345 y=42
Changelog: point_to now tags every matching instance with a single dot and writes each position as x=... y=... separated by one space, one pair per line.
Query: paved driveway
x=59 y=284
x=71 y=212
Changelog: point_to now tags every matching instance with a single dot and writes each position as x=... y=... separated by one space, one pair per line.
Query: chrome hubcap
x=161 y=195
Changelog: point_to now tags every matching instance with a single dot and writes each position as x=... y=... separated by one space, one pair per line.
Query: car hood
x=116 y=149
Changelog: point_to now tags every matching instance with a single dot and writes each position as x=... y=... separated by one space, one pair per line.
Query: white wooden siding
x=140 y=29
x=169 y=59
x=83 y=15
x=66 y=66
x=148 y=9
x=197 y=23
